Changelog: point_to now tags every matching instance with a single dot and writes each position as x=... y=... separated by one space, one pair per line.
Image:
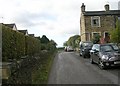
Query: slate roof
x=99 y=13
x=10 y=25
x=38 y=37
x=32 y=35
x=23 y=31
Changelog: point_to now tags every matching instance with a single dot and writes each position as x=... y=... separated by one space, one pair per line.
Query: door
x=95 y=53
x=106 y=37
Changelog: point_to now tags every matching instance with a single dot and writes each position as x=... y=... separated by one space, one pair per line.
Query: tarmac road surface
x=70 y=68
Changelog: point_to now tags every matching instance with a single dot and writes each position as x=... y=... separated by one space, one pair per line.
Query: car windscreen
x=115 y=47
x=106 y=48
x=88 y=44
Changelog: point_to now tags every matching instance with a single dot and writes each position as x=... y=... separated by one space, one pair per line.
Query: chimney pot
x=83 y=7
x=107 y=8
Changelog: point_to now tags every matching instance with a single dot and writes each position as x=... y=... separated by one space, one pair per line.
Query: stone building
x=93 y=23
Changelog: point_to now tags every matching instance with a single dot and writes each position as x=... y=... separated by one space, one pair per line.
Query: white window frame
x=96 y=32
x=95 y=17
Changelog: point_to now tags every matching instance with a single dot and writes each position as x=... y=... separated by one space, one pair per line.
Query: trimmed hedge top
x=15 y=44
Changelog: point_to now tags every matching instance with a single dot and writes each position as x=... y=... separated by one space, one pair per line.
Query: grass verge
x=40 y=76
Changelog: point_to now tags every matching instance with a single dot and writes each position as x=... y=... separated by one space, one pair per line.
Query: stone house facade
x=93 y=23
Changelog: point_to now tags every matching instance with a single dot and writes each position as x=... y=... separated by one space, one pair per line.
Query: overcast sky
x=57 y=19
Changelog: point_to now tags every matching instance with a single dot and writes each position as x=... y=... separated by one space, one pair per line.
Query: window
x=106 y=48
x=95 y=47
x=95 y=21
x=96 y=34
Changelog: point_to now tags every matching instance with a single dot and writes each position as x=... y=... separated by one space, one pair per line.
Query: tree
x=115 y=33
x=96 y=39
x=44 y=39
x=65 y=43
x=73 y=41
x=51 y=45
x=47 y=44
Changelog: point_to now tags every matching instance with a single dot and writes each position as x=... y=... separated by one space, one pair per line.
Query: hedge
x=33 y=45
x=15 y=44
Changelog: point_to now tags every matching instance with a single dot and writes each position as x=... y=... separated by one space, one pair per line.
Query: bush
x=33 y=45
x=15 y=44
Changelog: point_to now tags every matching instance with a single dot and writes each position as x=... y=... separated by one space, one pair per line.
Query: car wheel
x=89 y=56
x=84 y=56
x=101 y=65
x=80 y=54
x=91 y=61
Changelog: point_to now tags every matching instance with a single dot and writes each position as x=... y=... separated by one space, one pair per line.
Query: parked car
x=65 y=49
x=115 y=47
x=85 y=48
x=104 y=55
x=69 y=48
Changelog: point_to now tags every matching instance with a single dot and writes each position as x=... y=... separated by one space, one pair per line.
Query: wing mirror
x=95 y=51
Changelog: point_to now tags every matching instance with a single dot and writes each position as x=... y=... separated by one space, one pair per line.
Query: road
x=70 y=68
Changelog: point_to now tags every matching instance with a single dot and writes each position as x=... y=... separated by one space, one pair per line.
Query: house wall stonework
x=82 y=28
x=107 y=23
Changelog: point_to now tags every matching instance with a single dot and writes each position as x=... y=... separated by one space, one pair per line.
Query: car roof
x=86 y=41
x=101 y=44
x=104 y=44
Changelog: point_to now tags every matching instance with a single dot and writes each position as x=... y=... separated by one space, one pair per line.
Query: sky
x=57 y=19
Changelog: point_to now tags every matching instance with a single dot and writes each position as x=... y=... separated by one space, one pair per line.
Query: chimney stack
x=83 y=8
x=107 y=8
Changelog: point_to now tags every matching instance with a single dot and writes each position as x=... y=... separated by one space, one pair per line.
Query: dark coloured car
x=115 y=47
x=104 y=55
x=85 y=48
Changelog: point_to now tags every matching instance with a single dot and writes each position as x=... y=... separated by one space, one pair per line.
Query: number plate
x=118 y=62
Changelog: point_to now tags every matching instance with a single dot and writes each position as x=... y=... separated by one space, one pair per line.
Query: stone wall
x=107 y=23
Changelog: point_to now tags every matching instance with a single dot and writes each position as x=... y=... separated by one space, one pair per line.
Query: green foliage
x=43 y=46
x=41 y=75
x=115 y=33
x=13 y=44
x=73 y=41
x=96 y=39
x=51 y=46
x=33 y=45
x=65 y=44
x=44 y=39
